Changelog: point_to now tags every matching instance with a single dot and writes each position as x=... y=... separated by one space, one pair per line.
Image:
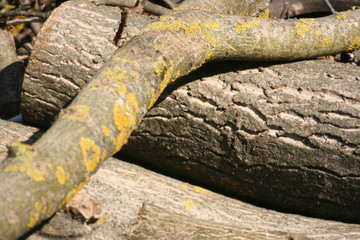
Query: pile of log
x=282 y=135
x=138 y=203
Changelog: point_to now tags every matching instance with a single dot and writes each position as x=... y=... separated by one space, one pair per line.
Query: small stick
x=21 y=20
x=332 y=10
x=285 y=11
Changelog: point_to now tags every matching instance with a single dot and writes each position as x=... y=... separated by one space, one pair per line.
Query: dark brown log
x=303 y=7
x=286 y=135
x=121 y=188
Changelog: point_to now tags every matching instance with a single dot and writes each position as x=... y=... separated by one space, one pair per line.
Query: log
x=303 y=7
x=285 y=135
x=122 y=188
x=11 y=77
x=246 y=132
x=100 y=119
x=156 y=223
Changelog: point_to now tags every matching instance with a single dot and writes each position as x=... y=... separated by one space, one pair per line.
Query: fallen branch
x=117 y=181
x=103 y=115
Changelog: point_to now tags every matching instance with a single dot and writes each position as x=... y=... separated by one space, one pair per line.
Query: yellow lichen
x=175 y=25
x=191 y=29
x=125 y=118
x=203 y=30
x=44 y=209
x=317 y=32
x=33 y=219
x=265 y=14
x=354 y=45
x=37 y=205
x=129 y=61
x=71 y=194
x=201 y=190
x=29 y=163
x=324 y=42
x=134 y=76
x=115 y=74
x=61 y=175
x=341 y=15
x=239 y=28
x=101 y=220
x=90 y=153
x=188 y=204
x=77 y=112
x=187 y=7
x=105 y=130
x=104 y=155
x=167 y=69
x=307 y=20
x=302 y=29
x=159 y=66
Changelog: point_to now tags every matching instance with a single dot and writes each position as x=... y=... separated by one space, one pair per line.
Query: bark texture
x=102 y=116
x=64 y=60
x=256 y=129
x=121 y=188
x=286 y=135
x=157 y=223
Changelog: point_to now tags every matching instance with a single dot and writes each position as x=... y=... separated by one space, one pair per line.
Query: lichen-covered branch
x=42 y=177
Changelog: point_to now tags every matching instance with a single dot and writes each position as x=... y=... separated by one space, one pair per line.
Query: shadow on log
x=285 y=135
x=121 y=189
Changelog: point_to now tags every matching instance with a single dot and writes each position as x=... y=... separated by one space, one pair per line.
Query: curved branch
x=101 y=118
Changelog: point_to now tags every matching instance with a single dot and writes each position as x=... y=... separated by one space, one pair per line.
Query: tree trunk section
x=284 y=135
x=121 y=188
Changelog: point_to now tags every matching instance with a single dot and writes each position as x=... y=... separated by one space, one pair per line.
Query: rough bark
x=222 y=123
x=10 y=132
x=102 y=116
x=64 y=60
x=285 y=135
x=121 y=188
x=11 y=76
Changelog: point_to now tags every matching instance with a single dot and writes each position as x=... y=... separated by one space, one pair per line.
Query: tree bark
x=102 y=116
x=284 y=135
x=247 y=132
x=157 y=223
x=122 y=187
